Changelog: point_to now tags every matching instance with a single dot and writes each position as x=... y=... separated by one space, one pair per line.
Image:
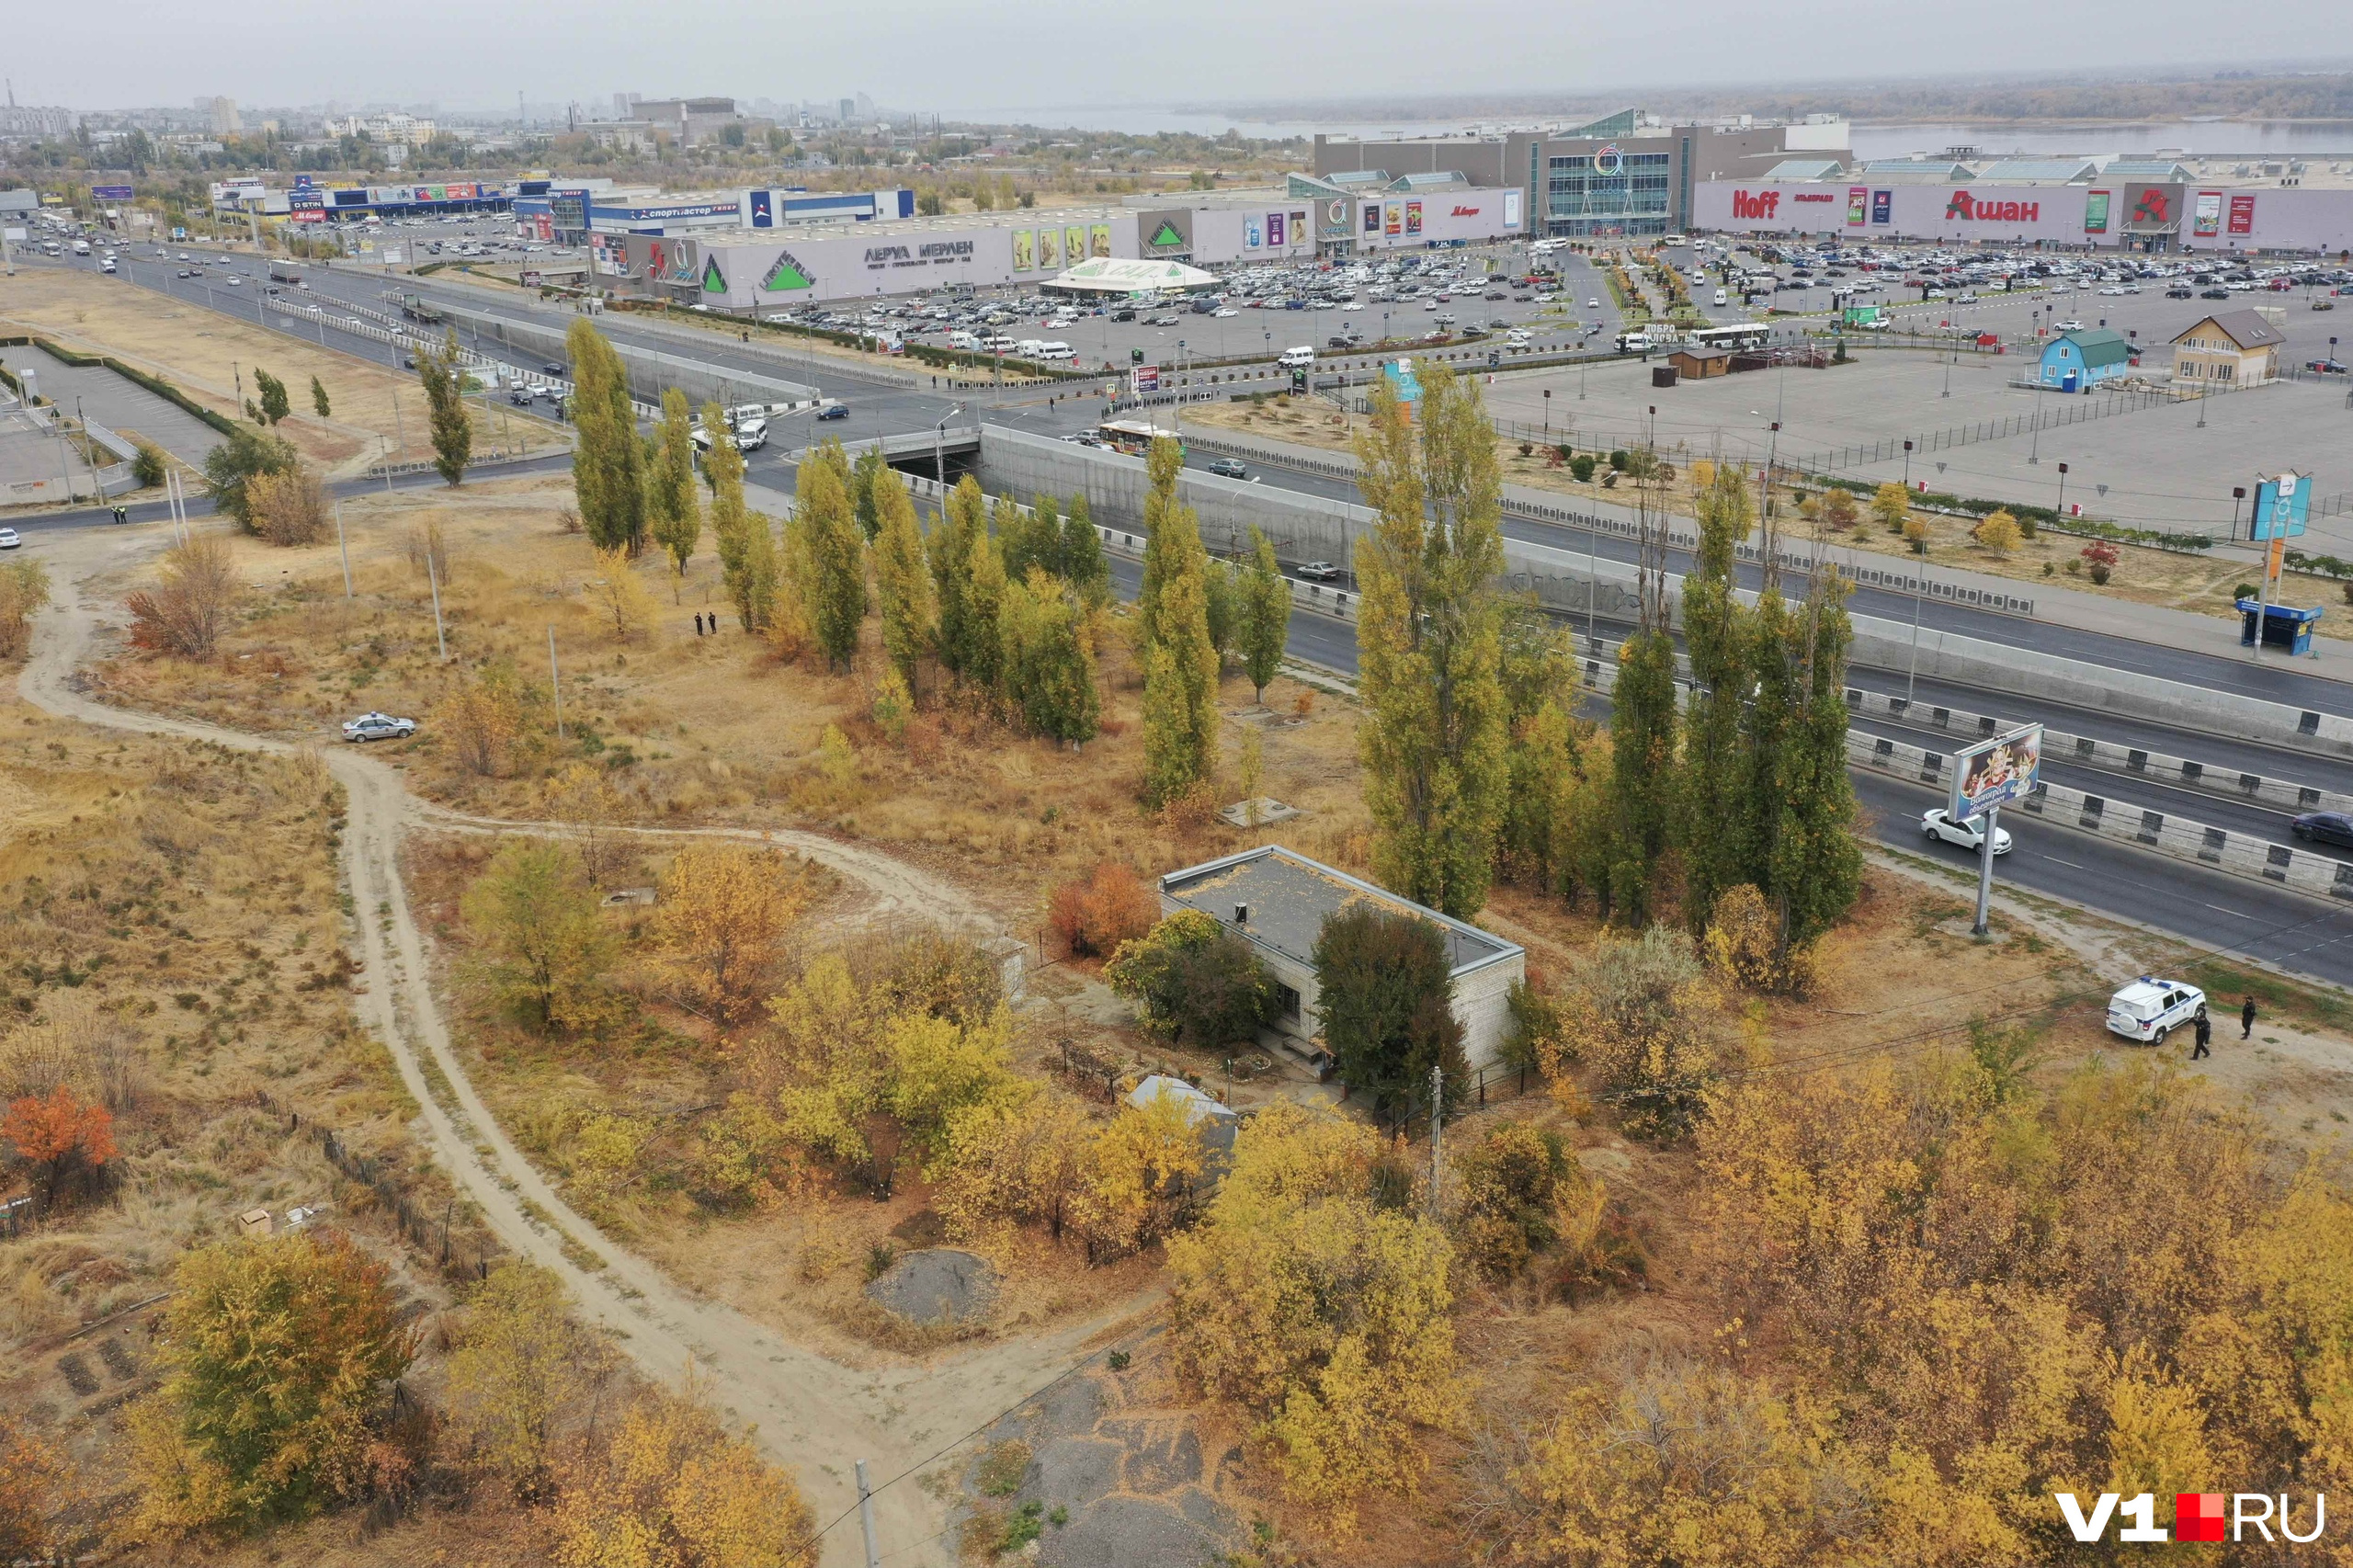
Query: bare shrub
x=427 y=549
x=187 y=612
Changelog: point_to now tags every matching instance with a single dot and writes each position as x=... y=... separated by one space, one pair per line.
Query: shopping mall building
x=1629 y=174
x=2201 y=204
x=1305 y=220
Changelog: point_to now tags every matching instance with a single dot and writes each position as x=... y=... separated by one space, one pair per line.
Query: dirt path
x=812 y=1413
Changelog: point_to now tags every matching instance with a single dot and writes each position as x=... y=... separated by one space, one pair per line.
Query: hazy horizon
x=1218 y=56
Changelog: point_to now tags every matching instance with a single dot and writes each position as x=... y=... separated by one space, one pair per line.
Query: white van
x=751 y=434
x=1298 y=359
x=1056 y=350
x=1028 y=348
x=1723 y=299
x=963 y=337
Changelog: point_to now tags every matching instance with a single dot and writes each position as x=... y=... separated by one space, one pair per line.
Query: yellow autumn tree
x=722 y=909
x=619 y=597
x=521 y=1360
x=1317 y=1316
x=1140 y=1172
x=676 y=1489
x=1999 y=533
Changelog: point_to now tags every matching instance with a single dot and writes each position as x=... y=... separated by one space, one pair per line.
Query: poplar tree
x=865 y=479
x=1266 y=614
x=1170 y=530
x=1642 y=755
x=607 y=460
x=1029 y=539
x=1816 y=868
x=672 y=510
x=835 y=550
x=1719 y=633
x=984 y=585
x=1428 y=643
x=1180 y=688
x=453 y=430
x=1049 y=664
x=1084 y=566
x=747 y=564
x=903 y=586
x=948 y=549
x=319 y=398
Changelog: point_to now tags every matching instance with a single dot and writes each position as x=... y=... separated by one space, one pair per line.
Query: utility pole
x=1438 y=1124
x=1985 y=871
x=345 y=548
x=555 y=682
x=866 y=1516
x=434 y=578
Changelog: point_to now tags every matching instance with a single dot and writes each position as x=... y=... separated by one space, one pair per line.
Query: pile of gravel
x=937 y=1285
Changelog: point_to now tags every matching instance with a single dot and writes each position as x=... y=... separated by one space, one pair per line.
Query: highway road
x=2198 y=905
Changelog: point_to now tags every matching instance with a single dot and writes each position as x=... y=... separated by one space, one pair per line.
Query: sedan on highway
x=1229 y=467
x=2324 y=827
x=1320 y=571
x=1593 y=304
x=1940 y=828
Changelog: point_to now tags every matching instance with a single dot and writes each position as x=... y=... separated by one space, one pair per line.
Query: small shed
x=1278 y=901
x=2077 y=361
x=1698 y=364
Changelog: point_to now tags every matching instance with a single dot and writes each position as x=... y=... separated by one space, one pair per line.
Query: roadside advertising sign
x=2281 y=506
x=1992 y=774
x=111 y=192
x=2096 y=211
x=1882 y=206
x=2243 y=214
x=2206 y=218
x=1858 y=204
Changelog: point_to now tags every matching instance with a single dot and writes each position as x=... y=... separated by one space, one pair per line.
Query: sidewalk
x=2331 y=659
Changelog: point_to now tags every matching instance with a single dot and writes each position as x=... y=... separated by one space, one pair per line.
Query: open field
x=378 y=414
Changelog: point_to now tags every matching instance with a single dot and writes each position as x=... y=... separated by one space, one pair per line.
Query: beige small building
x=1278 y=901
x=2229 y=348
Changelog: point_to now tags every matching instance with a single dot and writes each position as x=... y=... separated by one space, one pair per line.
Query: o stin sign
x=1757 y=204
x=1969 y=209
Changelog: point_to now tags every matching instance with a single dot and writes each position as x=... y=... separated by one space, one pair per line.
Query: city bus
x=1731 y=335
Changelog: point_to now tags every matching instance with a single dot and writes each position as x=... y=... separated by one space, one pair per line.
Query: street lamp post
x=2061 y=509
x=2238 y=493
x=1547 y=411
x=1907 y=466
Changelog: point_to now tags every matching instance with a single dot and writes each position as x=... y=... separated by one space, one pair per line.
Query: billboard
x=1882 y=207
x=1074 y=244
x=2096 y=211
x=763 y=209
x=1333 y=219
x=1858 y=199
x=2206 y=218
x=1992 y=774
x=1393 y=219
x=1025 y=251
x=1275 y=229
x=2243 y=214
x=1413 y=217
x=1166 y=230
x=1511 y=209
x=1099 y=240
x=111 y=192
x=1372 y=217
x=2281 y=506
x=1050 y=250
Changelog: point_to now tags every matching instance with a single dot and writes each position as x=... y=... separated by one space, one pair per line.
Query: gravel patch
x=937 y=1285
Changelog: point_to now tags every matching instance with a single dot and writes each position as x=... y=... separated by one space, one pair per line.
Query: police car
x=378 y=727
x=2150 y=1008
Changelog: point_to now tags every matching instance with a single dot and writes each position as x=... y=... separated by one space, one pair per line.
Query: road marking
x=2056 y=861
x=2240 y=913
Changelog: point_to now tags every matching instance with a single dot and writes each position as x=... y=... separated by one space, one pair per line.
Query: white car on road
x=1940 y=828
x=9 y=540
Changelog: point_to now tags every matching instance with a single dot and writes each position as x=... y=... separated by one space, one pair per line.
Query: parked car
x=2326 y=367
x=1940 y=828
x=1229 y=467
x=10 y=539
x=2150 y=1008
x=378 y=727
x=2325 y=827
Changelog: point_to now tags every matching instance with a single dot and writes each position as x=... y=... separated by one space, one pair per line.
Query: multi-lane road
x=2199 y=906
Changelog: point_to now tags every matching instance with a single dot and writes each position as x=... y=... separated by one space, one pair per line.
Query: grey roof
x=2164 y=171
x=1914 y=171
x=2017 y=171
x=1449 y=179
x=1705 y=351
x=1290 y=896
x=2246 y=328
x=1806 y=168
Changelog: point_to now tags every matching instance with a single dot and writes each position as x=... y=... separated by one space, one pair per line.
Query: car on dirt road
x=378 y=727
x=1940 y=828
x=9 y=540
x=2150 y=1008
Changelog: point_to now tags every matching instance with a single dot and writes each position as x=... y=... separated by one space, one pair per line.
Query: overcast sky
x=954 y=56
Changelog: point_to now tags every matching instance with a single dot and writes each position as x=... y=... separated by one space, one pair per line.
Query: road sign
x=2281 y=506
x=1992 y=774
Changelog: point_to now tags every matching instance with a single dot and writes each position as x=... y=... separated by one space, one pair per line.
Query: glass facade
x=1635 y=197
